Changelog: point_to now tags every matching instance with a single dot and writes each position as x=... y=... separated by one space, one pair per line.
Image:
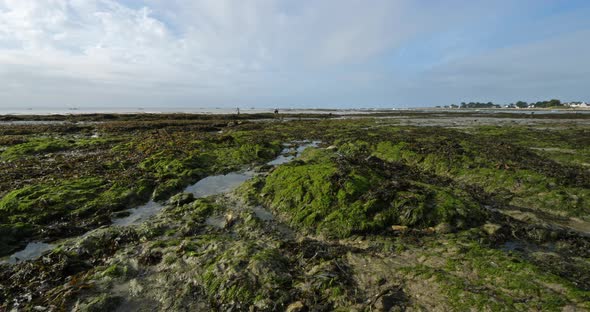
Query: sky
x=291 y=53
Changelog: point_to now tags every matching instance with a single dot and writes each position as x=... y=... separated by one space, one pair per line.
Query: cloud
x=552 y=68
x=263 y=52
x=168 y=47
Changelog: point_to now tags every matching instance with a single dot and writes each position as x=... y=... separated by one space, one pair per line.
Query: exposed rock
x=296 y=306
x=399 y=228
x=443 y=228
x=150 y=258
x=182 y=199
x=392 y=299
x=230 y=218
x=491 y=228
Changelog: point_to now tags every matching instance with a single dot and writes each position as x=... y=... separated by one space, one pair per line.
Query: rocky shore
x=384 y=212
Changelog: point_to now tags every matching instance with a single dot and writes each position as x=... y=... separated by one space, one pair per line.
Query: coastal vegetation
x=553 y=103
x=384 y=212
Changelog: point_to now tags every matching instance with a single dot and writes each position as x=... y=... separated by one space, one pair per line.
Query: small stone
x=150 y=258
x=429 y=230
x=384 y=303
x=135 y=287
x=443 y=228
x=296 y=306
x=392 y=300
x=182 y=199
x=332 y=147
x=491 y=228
x=230 y=218
x=399 y=228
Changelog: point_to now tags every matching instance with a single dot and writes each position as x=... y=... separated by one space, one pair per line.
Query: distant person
x=276 y=111
x=238 y=111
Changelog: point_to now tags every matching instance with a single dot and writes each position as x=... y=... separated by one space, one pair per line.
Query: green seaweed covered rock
x=338 y=196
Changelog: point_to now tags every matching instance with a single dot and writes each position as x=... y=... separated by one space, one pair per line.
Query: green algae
x=337 y=198
x=485 y=278
x=50 y=145
x=41 y=203
x=239 y=260
x=515 y=175
x=372 y=179
x=13 y=236
x=35 y=147
x=28 y=209
x=175 y=169
x=101 y=303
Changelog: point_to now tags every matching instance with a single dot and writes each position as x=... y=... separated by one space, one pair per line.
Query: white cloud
x=220 y=51
x=183 y=46
x=554 y=68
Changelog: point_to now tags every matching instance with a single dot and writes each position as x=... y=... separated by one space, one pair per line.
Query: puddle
x=282 y=159
x=301 y=148
x=527 y=247
x=581 y=227
x=515 y=246
x=218 y=184
x=139 y=214
x=216 y=221
x=208 y=186
x=32 y=251
x=262 y=213
x=285 y=231
x=285 y=156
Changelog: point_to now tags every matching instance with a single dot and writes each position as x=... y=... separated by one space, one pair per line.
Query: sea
x=253 y=110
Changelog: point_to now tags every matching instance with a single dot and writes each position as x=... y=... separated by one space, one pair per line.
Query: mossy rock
x=49 y=145
x=42 y=202
x=101 y=303
x=12 y=235
x=244 y=273
x=45 y=203
x=340 y=196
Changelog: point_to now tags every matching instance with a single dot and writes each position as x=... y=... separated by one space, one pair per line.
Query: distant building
x=583 y=104
x=579 y=105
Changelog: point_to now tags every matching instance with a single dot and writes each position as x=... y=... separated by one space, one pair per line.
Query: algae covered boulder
x=338 y=196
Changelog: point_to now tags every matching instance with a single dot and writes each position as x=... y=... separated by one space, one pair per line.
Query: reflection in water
x=208 y=186
x=139 y=214
x=282 y=158
x=262 y=213
x=216 y=221
x=285 y=157
x=218 y=184
x=32 y=251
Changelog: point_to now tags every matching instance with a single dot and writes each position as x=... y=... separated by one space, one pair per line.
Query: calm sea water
x=225 y=110
x=197 y=110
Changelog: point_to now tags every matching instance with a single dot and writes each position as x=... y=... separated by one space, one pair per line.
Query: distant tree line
x=519 y=104
x=550 y=103
x=479 y=105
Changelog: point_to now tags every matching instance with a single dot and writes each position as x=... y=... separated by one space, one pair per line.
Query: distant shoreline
x=294 y=111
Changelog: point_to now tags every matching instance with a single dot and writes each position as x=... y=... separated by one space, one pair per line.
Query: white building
x=580 y=105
